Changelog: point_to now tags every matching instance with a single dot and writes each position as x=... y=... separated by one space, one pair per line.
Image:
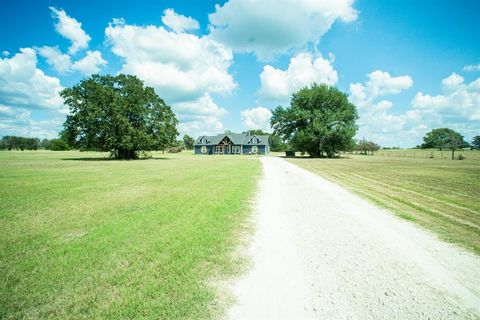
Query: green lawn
x=83 y=237
x=441 y=195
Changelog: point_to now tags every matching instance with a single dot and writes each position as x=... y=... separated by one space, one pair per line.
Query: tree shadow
x=113 y=159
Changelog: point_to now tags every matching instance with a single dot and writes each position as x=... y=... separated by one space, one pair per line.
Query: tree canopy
x=444 y=138
x=188 y=142
x=364 y=146
x=476 y=142
x=19 y=143
x=320 y=121
x=117 y=114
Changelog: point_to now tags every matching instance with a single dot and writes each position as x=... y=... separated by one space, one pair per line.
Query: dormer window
x=254 y=140
x=203 y=140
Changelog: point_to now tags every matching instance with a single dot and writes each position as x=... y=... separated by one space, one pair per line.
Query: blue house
x=232 y=143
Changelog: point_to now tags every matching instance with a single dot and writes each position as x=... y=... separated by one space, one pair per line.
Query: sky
x=408 y=66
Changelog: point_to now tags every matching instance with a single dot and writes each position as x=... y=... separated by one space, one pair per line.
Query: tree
x=476 y=142
x=188 y=142
x=320 y=121
x=19 y=143
x=443 y=138
x=117 y=114
x=58 y=145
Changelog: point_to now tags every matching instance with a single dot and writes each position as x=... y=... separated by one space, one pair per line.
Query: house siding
x=260 y=149
x=198 y=150
x=245 y=141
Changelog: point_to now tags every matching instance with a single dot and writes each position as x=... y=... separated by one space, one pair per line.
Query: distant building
x=232 y=143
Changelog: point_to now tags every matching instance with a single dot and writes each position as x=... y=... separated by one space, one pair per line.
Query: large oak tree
x=117 y=114
x=320 y=121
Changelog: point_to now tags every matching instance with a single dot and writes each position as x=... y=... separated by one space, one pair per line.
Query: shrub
x=175 y=150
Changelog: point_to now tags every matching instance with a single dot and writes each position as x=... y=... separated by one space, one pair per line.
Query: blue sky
x=409 y=66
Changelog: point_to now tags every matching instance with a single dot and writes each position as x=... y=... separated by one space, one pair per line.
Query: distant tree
x=476 y=142
x=45 y=144
x=117 y=114
x=19 y=143
x=320 y=121
x=364 y=146
x=188 y=142
x=444 y=138
x=58 y=145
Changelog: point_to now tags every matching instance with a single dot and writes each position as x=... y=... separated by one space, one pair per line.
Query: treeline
x=23 y=143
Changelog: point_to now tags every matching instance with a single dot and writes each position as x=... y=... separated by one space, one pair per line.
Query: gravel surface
x=321 y=252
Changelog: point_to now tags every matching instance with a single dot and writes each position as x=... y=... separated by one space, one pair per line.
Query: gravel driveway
x=321 y=252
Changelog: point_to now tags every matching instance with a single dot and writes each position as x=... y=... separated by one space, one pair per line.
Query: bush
x=58 y=145
x=460 y=157
x=175 y=150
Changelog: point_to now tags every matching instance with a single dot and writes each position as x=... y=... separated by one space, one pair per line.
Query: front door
x=219 y=150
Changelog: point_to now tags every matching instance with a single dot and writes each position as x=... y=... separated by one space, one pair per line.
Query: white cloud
x=379 y=84
x=56 y=59
x=257 y=118
x=453 y=81
x=457 y=108
x=178 y=22
x=181 y=67
x=91 y=63
x=184 y=69
x=201 y=116
x=270 y=27
x=23 y=85
x=376 y=120
x=459 y=101
x=472 y=67
x=71 y=29
x=303 y=70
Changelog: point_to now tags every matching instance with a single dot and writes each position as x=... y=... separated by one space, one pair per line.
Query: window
x=236 y=149
x=204 y=149
x=254 y=149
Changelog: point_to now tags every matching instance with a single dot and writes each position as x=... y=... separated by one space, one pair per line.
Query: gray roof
x=240 y=139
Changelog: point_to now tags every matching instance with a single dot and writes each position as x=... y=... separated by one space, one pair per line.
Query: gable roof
x=236 y=138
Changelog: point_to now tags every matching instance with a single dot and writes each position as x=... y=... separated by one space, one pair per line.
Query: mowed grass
x=441 y=195
x=83 y=237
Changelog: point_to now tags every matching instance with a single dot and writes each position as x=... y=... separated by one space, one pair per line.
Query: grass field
x=83 y=237
x=441 y=195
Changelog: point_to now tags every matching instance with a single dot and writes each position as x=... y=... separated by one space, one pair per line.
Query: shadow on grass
x=112 y=159
x=317 y=158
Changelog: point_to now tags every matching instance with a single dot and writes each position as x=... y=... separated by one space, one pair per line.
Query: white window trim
x=254 y=149
x=203 y=149
x=236 y=149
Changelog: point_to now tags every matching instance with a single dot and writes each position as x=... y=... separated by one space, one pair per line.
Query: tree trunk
x=453 y=154
x=125 y=154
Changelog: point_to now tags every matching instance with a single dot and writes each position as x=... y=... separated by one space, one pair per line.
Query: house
x=232 y=143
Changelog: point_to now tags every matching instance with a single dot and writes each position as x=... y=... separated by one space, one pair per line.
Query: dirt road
x=321 y=252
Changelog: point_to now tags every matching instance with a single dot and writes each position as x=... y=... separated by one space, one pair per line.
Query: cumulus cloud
x=379 y=84
x=200 y=116
x=458 y=101
x=71 y=29
x=184 y=69
x=256 y=118
x=270 y=27
x=472 y=67
x=91 y=63
x=56 y=59
x=376 y=119
x=303 y=70
x=180 y=67
x=457 y=108
x=23 y=85
x=178 y=22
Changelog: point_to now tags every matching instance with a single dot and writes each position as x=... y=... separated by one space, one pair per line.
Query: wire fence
x=427 y=154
